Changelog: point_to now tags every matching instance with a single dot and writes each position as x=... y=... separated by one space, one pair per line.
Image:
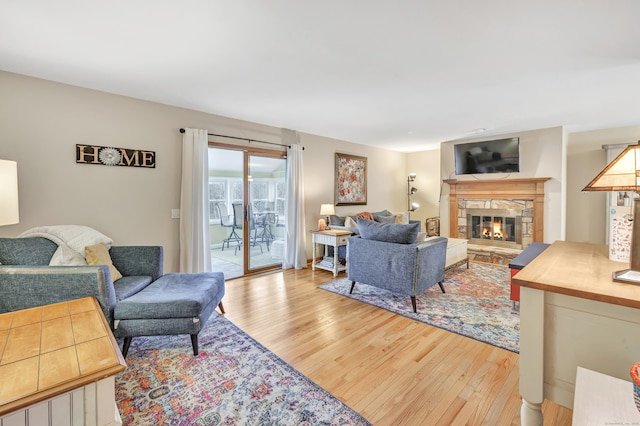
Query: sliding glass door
x=266 y=208
x=247 y=203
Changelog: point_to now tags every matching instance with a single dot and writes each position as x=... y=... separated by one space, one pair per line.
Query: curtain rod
x=245 y=139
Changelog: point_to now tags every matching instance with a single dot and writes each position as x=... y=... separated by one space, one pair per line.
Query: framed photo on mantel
x=351 y=180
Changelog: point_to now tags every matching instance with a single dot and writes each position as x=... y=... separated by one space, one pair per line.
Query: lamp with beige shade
x=623 y=174
x=326 y=210
x=9 y=213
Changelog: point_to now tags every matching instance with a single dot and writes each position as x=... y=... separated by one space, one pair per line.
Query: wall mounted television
x=493 y=156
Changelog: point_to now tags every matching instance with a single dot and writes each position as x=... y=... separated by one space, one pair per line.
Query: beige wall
x=586 y=211
x=542 y=154
x=41 y=122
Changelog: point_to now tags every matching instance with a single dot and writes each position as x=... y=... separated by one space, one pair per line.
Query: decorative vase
x=636 y=384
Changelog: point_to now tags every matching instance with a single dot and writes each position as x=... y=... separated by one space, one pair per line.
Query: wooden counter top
x=50 y=350
x=581 y=270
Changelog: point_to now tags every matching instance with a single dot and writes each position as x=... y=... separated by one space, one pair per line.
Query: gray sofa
x=387 y=256
x=143 y=302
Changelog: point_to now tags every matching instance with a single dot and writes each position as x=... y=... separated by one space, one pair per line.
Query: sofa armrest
x=23 y=287
x=431 y=264
x=138 y=260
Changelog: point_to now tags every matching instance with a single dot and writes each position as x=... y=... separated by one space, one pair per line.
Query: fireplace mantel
x=521 y=189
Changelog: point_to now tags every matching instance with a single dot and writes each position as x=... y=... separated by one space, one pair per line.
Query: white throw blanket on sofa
x=71 y=240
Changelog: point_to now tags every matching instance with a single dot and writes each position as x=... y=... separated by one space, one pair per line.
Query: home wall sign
x=109 y=156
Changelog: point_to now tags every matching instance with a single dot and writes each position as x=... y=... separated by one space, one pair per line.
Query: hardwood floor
x=390 y=369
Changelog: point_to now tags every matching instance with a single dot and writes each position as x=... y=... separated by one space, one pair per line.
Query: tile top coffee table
x=52 y=350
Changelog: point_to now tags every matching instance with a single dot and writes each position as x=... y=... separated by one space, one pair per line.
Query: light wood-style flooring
x=390 y=369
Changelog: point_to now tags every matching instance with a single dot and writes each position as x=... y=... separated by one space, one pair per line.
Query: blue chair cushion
x=174 y=295
x=128 y=286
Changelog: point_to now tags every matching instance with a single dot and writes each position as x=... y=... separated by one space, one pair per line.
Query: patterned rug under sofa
x=476 y=304
x=233 y=381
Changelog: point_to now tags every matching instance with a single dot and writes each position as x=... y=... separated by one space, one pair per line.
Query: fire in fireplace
x=499 y=227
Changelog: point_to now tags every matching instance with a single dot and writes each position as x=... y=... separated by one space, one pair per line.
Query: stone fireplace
x=499 y=218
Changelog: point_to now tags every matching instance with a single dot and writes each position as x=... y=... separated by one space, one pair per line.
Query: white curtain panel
x=295 y=252
x=195 y=243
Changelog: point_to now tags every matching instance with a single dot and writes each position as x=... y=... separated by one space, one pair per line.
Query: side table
x=329 y=237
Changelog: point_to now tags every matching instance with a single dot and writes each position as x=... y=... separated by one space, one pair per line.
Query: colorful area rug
x=233 y=381
x=476 y=304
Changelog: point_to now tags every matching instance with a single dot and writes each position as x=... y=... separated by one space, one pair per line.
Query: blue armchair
x=401 y=268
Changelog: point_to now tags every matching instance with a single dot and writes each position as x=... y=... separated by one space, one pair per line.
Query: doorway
x=247 y=198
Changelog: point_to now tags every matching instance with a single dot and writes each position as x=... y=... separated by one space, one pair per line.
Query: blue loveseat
x=144 y=302
x=27 y=280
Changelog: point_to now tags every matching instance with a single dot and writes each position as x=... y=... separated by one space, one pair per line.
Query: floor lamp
x=9 y=214
x=411 y=207
x=623 y=174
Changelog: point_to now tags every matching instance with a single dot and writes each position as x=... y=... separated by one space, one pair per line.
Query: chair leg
x=233 y=236
x=353 y=284
x=413 y=304
x=194 y=343
x=125 y=346
x=441 y=287
x=221 y=307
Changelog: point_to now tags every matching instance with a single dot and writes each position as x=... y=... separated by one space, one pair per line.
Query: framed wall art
x=351 y=180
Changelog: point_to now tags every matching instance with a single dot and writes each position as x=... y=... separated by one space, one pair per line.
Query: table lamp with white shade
x=9 y=213
x=327 y=210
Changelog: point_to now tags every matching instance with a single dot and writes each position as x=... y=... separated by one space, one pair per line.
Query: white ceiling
x=403 y=75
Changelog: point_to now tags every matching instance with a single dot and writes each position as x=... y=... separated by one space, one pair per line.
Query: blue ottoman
x=519 y=262
x=173 y=304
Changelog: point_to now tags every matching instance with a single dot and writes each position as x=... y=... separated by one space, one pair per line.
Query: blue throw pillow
x=388 y=232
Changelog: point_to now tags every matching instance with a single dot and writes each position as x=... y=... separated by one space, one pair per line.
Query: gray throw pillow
x=388 y=232
x=387 y=219
x=336 y=220
x=381 y=213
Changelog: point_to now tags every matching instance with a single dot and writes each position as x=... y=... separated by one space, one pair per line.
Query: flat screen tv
x=494 y=156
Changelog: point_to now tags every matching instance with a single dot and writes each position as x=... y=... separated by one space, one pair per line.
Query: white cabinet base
x=90 y=405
